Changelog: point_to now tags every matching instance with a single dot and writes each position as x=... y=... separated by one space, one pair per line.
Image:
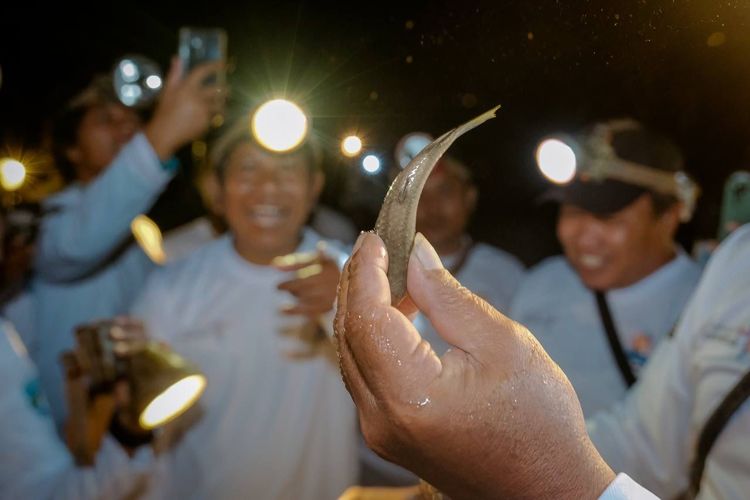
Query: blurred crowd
x=246 y=295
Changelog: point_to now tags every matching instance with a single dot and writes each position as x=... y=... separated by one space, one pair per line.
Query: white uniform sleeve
x=634 y=436
x=35 y=462
x=624 y=488
x=79 y=236
x=650 y=435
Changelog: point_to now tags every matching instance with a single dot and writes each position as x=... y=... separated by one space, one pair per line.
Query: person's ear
x=670 y=220
x=210 y=188
x=472 y=197
x=73 y=155
x=219 y=197
x=316 y=187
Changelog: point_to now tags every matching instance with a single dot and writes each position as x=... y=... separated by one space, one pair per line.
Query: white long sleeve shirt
x=34 y=461
x=553 y=303
x=624 y=488
x=87 y=266
x=277 y=421
x=651 y=435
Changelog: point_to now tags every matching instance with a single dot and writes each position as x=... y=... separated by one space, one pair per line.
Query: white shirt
x=554 y=304
x=489 y=272
x=182 y=241
x=34 y=461
x=277 y=421
x=86 y=265
x=624 y=488
x=651 y=435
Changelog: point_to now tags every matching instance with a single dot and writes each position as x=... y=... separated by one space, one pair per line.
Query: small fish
x=397 y=220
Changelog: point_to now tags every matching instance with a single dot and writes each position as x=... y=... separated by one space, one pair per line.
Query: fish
x=397 y=219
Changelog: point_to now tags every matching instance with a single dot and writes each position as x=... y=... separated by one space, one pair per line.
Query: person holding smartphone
x=87 y=265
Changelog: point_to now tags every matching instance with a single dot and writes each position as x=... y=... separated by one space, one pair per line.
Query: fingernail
x=426 y=255
x=359 y=241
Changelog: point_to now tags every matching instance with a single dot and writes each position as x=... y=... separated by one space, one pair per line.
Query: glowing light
x=410 y=145
x=371 y=164
x=129 y=71
x=148 y=236
x=173 y=401
x=556 y=160
x=279 y=125
x=12 y=174
x=130 y=93
x=153 y=82
x=351 y=146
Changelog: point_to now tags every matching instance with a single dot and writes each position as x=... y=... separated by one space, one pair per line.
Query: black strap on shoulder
x=714 y=425
x=614 y=341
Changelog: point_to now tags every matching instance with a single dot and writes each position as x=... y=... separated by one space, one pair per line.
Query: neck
x=651 y=266
x=263 y=256
x=86 y=175
x=661 y=259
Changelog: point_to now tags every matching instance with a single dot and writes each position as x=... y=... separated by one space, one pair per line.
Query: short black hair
x=67 y=121
x=239 y=133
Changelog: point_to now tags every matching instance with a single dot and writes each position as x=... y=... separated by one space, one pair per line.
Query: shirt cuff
x=624 y=488
x=147 y=164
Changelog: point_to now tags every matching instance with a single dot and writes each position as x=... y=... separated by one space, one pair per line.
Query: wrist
x=160 y=139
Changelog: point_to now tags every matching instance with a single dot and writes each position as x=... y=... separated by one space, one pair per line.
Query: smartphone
x=201 y=45
x=735 y=204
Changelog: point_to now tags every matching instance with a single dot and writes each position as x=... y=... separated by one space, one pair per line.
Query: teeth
x=267 y=215
x=591 y=261
x=267 y=210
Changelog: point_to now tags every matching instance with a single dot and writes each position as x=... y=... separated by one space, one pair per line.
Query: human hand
x=88 y=417
x=185 y=108
x=494 y=417
x=315 y=284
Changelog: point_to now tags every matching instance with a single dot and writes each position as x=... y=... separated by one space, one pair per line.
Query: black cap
x=632 y=142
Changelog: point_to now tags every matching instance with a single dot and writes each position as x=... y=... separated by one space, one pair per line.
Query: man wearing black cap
x=601 y=308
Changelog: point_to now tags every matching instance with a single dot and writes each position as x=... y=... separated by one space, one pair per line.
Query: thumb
x=174 y=75
x=388 y=352
x=460 y=317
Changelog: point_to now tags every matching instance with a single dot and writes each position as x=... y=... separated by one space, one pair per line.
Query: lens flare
x=149 y=238
x=371 y=164
x=351 y=146
x=12 y=174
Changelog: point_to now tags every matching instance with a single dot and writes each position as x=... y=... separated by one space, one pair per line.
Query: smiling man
x=248 y=309
x=601 y=308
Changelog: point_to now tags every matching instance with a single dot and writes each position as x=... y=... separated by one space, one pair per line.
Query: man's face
x=103 y=131
x=266 y=199
x=617 y=250
x=444 y=209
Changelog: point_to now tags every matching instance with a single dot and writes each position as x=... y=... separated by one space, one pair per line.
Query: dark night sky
x=553 y=65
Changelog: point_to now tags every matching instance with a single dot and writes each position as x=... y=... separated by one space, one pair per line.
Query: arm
x=83 y=233
x=632 y=437
x=88 y=228
x=36 y=462
x=651 y=434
